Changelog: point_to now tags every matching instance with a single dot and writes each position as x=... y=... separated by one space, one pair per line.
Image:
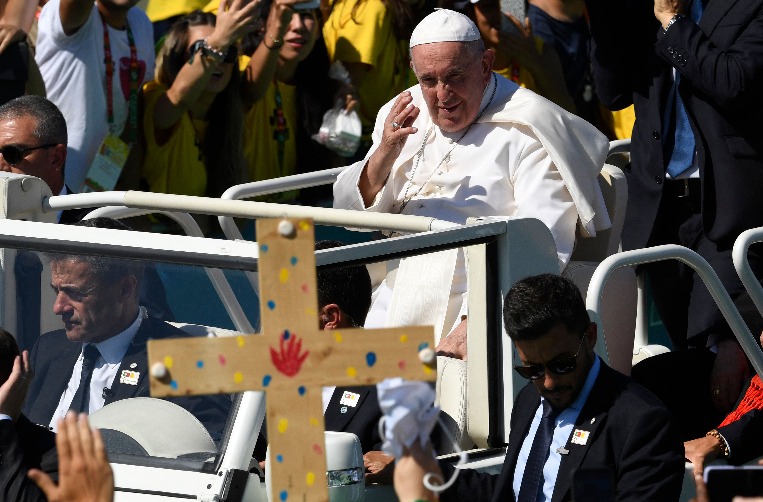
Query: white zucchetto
x=444 y=25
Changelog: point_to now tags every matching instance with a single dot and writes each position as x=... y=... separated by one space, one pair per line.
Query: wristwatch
x=673 y=20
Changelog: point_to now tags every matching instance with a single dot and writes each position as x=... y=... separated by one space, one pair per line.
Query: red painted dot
x=401 y=364
x=304 y=288
x=317 y=449
x=222 y=360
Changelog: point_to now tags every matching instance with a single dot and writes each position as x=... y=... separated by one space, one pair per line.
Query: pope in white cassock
x=463 y=143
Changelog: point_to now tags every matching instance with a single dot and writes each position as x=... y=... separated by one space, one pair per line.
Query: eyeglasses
x=14 y=154
x=558 y=366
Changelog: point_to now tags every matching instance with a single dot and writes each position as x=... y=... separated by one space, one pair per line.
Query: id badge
x=107 y=165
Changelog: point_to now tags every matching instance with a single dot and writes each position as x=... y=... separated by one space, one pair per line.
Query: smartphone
x=593 y=484
x=724 y=482
x=312 y=4
x=516 y=8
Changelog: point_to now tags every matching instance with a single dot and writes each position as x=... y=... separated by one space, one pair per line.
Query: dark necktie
x=683 y=137
x=81 y=400
x=532 y=479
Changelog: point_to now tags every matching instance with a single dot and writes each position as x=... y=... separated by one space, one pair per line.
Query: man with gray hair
x=463 y=143
x=33 y=140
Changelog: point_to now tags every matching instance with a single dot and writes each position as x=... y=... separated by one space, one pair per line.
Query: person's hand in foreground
x=410 y=470
x=84 y=471
x=13 y=390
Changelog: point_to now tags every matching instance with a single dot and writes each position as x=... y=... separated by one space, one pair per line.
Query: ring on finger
x=395 y=126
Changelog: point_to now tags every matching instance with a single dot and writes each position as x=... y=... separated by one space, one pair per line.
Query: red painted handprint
x=289 y=360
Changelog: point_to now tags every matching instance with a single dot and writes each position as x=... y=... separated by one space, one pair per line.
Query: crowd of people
x=465 y=112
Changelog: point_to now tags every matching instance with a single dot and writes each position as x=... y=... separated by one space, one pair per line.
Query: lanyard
x=108 y=60
x=280 y=127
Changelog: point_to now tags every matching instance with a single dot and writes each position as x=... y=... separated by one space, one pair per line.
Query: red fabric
x=752 y=400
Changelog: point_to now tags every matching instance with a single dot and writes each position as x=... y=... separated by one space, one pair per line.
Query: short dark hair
x=104 y=267
x=348 y=287
x=9 y=349
x=51 y=124
x=537 y=304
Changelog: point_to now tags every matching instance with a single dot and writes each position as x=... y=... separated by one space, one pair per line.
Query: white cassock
x=525 y=157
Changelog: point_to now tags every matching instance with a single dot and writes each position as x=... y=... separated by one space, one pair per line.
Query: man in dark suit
x=344 y=297
x=23 y=445
x=100 y=355
x=693 y=70
x=576 y=413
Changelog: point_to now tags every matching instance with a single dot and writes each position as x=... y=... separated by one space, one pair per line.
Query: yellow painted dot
x=338 y=337
x=283 y=424
x=310 y=479
x=168 y=361
x=403 y=338
x=284 y=275
x=238 y=377
x=351 y=372
x=314 y=422
x=311 y=312
x=240 y=340
x=427 y=370
x=304 y=225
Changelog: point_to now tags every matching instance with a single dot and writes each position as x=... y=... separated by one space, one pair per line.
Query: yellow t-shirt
x=623 y=122
x=372 y=41
x=212 y=6
x=270 y=146
x=523 y=77
x=176 y=166
x=156 y=10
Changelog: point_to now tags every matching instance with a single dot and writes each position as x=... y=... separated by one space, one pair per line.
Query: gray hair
x=51 y=125
x=473 y=49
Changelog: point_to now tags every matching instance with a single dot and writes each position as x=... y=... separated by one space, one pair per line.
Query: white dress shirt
x=112 y=351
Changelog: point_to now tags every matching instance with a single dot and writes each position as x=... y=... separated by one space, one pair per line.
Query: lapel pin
x=133 y=366
x=580 y=437
x=349 y=399
x=343 y=410
x=593 y=420
x=129 y=377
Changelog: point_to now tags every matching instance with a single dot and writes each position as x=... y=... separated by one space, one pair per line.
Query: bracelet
x=211 y=52
x=673 y=20
x=721 y=441
x=277 y=43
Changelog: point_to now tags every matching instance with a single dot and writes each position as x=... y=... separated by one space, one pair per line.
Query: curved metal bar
x=275 y=185
x=742 y=264
x=705 y=272
x=216 y=276
x=619 y=146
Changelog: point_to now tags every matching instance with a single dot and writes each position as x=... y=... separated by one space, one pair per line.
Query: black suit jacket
x=362 y=419
x=53 y=358
x=24 y=445
x=721 y=66
x=631 y=433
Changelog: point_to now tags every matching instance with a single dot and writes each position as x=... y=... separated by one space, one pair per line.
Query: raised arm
x=193 y=77
x=262 y=67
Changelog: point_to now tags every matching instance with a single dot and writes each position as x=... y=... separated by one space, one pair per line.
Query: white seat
x=161 y=428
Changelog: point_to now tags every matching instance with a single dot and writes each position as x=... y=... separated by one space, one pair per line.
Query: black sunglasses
x=15 y=154
x=558 y=366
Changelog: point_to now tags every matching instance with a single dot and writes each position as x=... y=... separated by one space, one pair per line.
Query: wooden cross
x=291 y=360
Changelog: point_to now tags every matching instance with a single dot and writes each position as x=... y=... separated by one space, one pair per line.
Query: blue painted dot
x=371 y=358
x=293 y=260
x=286 y=334
x=279 y=458
x=264 y=248
x=174 y=385
x=271 y=304
x=266 y=380
x=423 y=345
x=283 y=495
x=301 y=390
x=199 y=364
